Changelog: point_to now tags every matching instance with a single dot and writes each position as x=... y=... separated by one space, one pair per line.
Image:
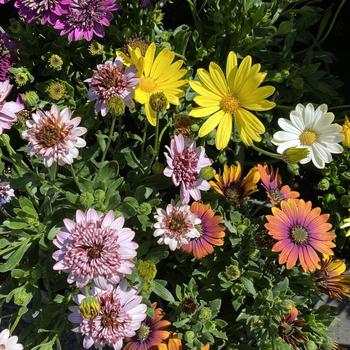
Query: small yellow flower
x=346 y=132
x=231 y=98
x=158 y=74
x=56 y=90
x=230 y=185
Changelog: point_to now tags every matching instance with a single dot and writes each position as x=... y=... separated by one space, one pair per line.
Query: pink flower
x=54 y=137
x=119 y=315
x=94 y=245
x=8 y=110
x=185 y=161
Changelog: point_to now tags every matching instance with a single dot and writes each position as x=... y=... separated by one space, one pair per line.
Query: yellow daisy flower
x=158 y=74
x=230 y=184
x=232 y=96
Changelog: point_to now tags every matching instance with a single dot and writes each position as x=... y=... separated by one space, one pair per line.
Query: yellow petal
x=206 y=101
x=231 y=63
x=224 y=131
x=150 y=114
x=203 y=90
x=162 y=63
x=211 y=123
x=249 y=181
x=141 y=96
x=199 y=112
x=263 y=105
x=242 y=73
x=254 y=96
x=149 y=59
x=218 y=77
x=208 y=82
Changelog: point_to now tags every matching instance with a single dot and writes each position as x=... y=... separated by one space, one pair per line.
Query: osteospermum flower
x=112 y=79
x=118 y=315
x=9 y=343
x=230 y=98
x=94 y=245
x=301 y=232
x=158 y=74
x=8 y=110
x=151 y=331
x=330 y=279
x=86 y=18
x=273 y=185
x=6 y=56
x=47 y=10
x=176 y=225
x=6 y=193
x=211 y=232
x=311 y=129
x=230 y=184
x=54 y=137
x=290 y=329
x=185 y=162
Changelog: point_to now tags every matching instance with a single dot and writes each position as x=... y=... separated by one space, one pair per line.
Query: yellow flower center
x=229 y=104
x=308 y=137
x=148 y=85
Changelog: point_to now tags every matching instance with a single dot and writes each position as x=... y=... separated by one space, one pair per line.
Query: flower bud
x=144 y=209
x=116 y=106
x=15 y=27
x=21 y=78
x=56 y=90
x=323 y=185
x=100 y=195
x=147 y=270
x=55 y=62
x=345 y=200
x=189 y=336
x=310 y=345
x=158 y=101
x=157 y=168
x=86 y=199
x=194 y=127
x=30 y=98
x=294 y=155
x=96 y=49
x=207 y=173
x=90 y=307
x=232 y=272
x=205 y=314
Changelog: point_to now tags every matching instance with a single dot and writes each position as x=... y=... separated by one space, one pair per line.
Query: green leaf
x=248 y=286
x=162 y=292
x=27 y=206
x=15 y=224
x=16 y=257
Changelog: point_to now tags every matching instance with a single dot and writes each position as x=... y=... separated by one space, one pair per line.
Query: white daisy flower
x=176 y=225
x=9 y=343
x=311 y=129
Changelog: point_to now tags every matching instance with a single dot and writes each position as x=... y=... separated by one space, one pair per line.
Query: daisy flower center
x=177 y=224
x=233 y=193
x=143 y=332
x=276 y=195
x=308 y=137
x=229 y=104
x=299 y=234
x=49 y=135
x=148 y=85
x=2 y=347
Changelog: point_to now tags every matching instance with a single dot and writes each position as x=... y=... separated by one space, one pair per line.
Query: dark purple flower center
x=277 y=195
x=299 y=234
x=185 y=168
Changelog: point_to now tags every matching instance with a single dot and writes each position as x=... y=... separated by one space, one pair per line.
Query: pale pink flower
x=119 y=316
x=54 y=137
x=176 y=226
x=185 y=162
x=8 y=110
x=94 y=245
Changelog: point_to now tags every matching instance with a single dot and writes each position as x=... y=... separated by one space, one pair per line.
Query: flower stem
x=110 y=136
x=75 y=177
x=339 y=107
x=267 y=153
x=15 y=323
x=144 y=137
x=119 y=134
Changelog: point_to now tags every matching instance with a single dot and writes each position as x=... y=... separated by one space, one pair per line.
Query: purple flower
x=8 y=110
x=6 y=56
x=47 y=10
x=86 y=18
x=109 y=80
x=3 y=1
x=6 y=192
x=116 y=313
x=185 y=161
x=95 y=245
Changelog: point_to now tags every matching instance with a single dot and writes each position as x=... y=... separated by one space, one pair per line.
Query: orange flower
x=174 y=343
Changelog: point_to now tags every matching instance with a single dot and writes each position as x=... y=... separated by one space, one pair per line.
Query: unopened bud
x=30 y=98
x=116 y=105
x=207 y=173
x=158 y=101
x=294 y=155
x=90 y=307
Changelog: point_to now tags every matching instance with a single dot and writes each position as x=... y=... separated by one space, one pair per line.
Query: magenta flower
x=4 y=1
x=8 y=110
x=86 y=18
x=94 y=245
x=118 y=315
x=185 y=161
x=109 y=80
x=47 y=10
x=54 y=137
x=6 y=56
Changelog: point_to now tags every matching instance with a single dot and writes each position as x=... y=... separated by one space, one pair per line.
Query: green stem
x=75 y=177
x=156 y=141
x=162 y=132
x=339 y=107
x=144 y=137
x=288 y=108
x=120 y=124
x=110 y=136
x=267 y=153
x=15 y=323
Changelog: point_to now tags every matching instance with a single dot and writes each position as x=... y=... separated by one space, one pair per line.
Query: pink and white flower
x=176 y=226
x=8 y=110
x=185 y=162
x=9 y=343
x=119 y=315
x=95 y=245
x=54 y=137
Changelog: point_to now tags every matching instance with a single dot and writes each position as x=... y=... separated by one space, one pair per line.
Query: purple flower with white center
x=94 y=245
x=119 y=315
x=47 y=10
x=6 y=56
x=86 y=18
x=109 y=80
x=185 y=162
x=176 y=226
x=8 y=110
x=6 y=193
